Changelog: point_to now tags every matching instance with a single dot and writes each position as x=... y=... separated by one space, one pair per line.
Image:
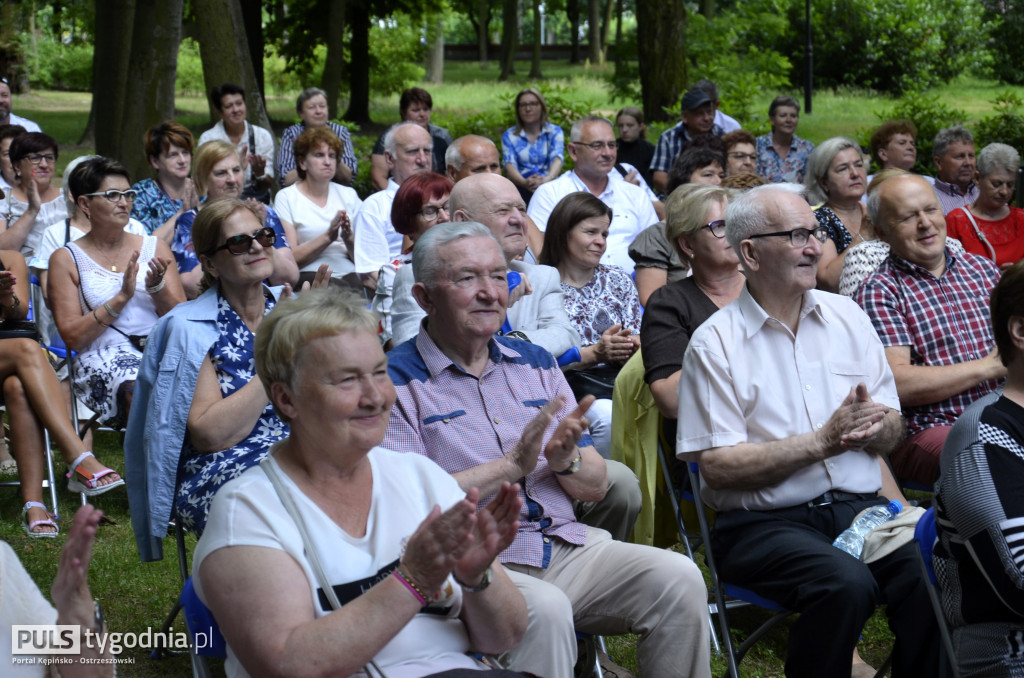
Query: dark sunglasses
x=240 y=244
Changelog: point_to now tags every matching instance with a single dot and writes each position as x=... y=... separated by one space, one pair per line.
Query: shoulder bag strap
x=252 y=139
x=67 y=234
x=979 y=234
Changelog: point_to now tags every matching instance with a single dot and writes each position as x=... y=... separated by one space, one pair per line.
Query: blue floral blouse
x=152 y=206
x=535 y=158
x=201 y=474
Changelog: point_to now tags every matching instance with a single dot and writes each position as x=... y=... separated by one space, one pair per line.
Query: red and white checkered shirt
x=461 y=422
x=944 y=321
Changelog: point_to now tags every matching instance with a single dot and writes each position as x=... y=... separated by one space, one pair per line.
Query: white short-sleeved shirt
x=747 y=379
x=311 y=220
x=264 y=145
x=632 y=212
x=24 y=122
x=248 y=512
x=376 y=240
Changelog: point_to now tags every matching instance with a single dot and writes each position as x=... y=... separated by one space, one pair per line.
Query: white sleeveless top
x=98 y=284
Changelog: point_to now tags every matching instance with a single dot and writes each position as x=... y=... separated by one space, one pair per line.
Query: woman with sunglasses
x=34 y=202
x=205 y=348
x=108 y=288
x=420 y=203
x=217 y=173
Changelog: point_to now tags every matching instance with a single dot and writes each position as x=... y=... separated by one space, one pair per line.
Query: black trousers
x=787 y=556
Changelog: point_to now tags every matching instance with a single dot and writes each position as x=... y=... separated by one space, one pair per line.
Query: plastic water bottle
x=852 y=538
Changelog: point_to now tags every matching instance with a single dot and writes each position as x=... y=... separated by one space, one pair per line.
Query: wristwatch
x=484 y=583
x=574 y=466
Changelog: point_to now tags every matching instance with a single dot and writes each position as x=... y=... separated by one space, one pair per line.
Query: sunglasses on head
x=240 y=244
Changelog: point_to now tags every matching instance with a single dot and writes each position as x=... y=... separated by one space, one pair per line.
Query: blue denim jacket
x=175 y=351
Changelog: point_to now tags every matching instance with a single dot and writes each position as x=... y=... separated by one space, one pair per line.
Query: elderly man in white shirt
x=407 y=150
x=786 y=401
x=592 y=147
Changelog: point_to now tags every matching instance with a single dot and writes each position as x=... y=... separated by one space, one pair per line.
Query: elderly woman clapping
x=412 y=600
x=991 y=226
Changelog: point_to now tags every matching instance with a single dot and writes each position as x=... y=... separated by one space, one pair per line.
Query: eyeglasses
x=240 y=244
x=36 y=158
x=717 y=228
x=597 y=146
x=529 y=104
x=115 y=196
x=431 y=212
x=743 y=156
x=798 y=237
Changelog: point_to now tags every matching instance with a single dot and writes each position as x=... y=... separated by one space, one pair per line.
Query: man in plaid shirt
x=492 y=410
x=930 y=308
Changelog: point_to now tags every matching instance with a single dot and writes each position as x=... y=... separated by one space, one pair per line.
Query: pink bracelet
x=400 y=576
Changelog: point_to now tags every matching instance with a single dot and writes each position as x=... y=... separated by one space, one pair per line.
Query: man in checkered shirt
x=930 y=308
x=493 y=409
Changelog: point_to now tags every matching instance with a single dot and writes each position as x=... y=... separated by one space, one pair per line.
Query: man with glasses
x=930 y=308
x=8 y=118
x=786 y=401
x=592 y=148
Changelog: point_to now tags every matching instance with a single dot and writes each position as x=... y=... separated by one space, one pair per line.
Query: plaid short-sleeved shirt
x=671 y=144
x=944 y=321
x=460 y=422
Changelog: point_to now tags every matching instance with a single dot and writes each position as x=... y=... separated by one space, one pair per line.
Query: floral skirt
x=99 y=376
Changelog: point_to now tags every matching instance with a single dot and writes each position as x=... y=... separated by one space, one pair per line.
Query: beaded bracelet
x=405 y=579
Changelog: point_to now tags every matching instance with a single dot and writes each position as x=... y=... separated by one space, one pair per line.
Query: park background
x=95 y=75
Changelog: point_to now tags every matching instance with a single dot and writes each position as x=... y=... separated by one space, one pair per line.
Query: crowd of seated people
x=206 y=307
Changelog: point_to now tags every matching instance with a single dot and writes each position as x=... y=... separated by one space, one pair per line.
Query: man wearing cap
x=8 y=118
x=698 y=117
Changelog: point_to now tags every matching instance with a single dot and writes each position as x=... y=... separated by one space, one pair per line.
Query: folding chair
x=688 y=489
x=925 y=536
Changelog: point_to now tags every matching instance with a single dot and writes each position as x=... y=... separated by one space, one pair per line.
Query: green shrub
x=1005 y=127
x=929 y=114
x=189 y=79
x=1006 y=22
x=395 y=50
x=63 y=67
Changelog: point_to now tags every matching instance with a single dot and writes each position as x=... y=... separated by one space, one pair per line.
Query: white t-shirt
x=21 y=602
x=264 y=145
x=376 y=240
x=248 y=512
x=632 y=212
x=311 y=220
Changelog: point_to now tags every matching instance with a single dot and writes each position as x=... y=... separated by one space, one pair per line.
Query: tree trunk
x=252 y=19
x=662 y=55
x=538 y=38
x=707 y=8
x=435 y=50
x=483 y=21
x=359 y=75
x=152 y=66
x=572 y=8
x=606 y=23
x=509 y=37
x=111 y=55
x=12 y=55
x=224 y=51
x=330 y=81
x=618 y=32
x=595 y=54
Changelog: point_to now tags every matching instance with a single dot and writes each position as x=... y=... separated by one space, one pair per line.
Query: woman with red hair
x=420 y=203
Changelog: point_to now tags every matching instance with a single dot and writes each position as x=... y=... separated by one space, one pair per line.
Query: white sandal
x=89 y=483
x=30 y=527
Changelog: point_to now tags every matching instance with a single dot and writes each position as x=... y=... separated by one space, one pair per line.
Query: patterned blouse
x=608 y=299
x=152 y=206
x=202 y=474
x=533 y=158
x=837 y=231
x=776 y=169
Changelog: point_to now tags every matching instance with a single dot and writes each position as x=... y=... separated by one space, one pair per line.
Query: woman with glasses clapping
x=108 y=288
x=33 y=203
x=201 y=354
